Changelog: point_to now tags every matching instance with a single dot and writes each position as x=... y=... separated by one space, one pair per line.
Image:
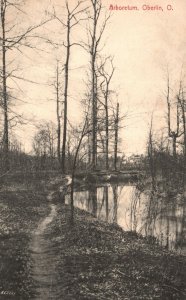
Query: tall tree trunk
x=58 y=116
x=105 y=85
x=4 y=84
x=151 y=157
x=94 y=118
x=106 y=131
x=95 y=33
x=93 y=88
x=183 y=105
x=89 y=149
x=116 y=138
x=174 y=137
x=172 y=134
x=63 y=155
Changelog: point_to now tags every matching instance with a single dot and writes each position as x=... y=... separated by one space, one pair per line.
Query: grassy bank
x=101 y=261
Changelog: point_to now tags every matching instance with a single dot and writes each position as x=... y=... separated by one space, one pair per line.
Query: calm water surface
x=147 y=214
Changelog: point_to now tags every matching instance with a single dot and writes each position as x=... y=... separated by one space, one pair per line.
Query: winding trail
x=42 y=226
x=44 y=258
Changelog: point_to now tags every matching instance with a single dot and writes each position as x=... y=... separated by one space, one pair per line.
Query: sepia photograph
x=92 y=149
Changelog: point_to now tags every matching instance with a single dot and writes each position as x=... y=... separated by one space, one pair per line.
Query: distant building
x=135 y=160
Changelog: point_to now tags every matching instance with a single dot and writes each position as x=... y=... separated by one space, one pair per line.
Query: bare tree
x=95 y=34
x=105 y=88
x=58 y=112
x=4 y=5
x=72 y=20
x=44 y=142
x=116 y=127
x=10 y=40
x=173 y=134
x=182 y=106
x=151 y=154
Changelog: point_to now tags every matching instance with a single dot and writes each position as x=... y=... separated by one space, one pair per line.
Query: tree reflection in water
x=150 y=213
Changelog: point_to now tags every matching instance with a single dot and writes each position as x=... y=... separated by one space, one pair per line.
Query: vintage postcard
x=92 y=149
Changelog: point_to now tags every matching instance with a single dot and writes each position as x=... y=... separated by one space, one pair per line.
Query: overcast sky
x=143 y=44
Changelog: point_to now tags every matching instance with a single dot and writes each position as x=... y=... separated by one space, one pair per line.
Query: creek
x=147 y=214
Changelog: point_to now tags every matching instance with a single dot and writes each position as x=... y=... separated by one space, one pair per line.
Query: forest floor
x=43 y=257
